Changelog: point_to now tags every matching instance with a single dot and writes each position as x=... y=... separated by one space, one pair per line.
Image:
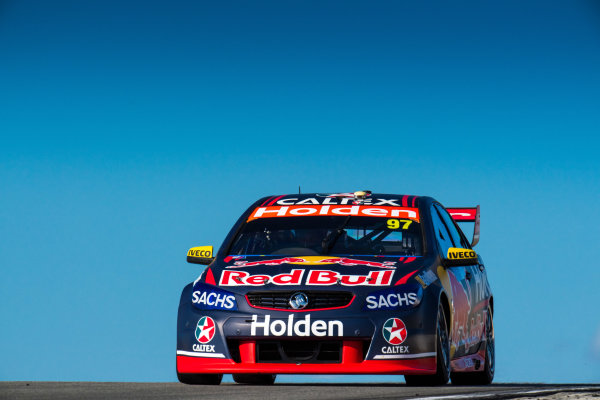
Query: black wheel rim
x=443 y=335
x=490 y=349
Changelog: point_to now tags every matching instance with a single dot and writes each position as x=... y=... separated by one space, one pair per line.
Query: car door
x=474 y=285
x=457 y=285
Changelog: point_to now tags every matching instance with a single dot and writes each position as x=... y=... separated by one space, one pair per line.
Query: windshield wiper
x=329 y=241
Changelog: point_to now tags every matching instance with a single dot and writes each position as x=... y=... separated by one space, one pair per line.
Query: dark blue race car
x=344 y=283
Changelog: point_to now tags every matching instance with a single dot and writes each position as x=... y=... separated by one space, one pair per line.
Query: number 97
x=395 y=223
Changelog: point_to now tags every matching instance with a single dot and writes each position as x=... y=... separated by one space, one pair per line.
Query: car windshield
x=325 y=235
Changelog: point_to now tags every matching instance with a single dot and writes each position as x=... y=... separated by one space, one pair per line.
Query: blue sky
x=132 y=131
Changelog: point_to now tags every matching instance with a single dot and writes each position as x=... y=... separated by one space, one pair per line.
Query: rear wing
x=467 y=214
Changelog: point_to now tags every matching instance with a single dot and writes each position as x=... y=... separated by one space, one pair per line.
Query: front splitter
x=201 y=365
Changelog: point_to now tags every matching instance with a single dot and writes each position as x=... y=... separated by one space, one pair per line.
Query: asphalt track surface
x=287 y=391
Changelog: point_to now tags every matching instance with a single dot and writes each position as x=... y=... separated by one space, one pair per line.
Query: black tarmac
x=286 y=391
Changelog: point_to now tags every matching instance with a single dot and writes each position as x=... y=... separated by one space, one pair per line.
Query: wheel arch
x=444 y=301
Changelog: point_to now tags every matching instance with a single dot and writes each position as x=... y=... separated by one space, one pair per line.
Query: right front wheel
x=442 y=374
x=200 y=379
x=254 y=379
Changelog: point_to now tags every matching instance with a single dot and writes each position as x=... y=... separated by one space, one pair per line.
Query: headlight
x=401 y=297
x=208 y=297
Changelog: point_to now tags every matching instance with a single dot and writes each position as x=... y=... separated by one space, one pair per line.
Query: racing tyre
x=442 y=374
x=254 y=379
x=486 y=376
x=200 y=379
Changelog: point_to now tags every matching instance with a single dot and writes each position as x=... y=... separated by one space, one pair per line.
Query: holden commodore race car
x=343 y=283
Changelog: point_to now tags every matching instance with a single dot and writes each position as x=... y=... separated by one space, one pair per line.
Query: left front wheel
x=486 y=376
x=442 y=373
x=200 y=379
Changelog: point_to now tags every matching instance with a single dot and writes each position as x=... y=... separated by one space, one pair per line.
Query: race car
x=340 y=283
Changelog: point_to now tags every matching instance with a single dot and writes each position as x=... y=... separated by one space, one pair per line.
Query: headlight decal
x=401 y=297
x=207 y=297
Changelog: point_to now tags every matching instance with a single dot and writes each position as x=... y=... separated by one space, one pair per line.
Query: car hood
x=241 y=274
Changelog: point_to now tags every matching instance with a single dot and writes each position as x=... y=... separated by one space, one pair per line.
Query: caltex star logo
x=205 y=330
x=394 y=331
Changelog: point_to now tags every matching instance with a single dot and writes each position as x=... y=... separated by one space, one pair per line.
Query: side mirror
x=200 y=255
x=457 y=257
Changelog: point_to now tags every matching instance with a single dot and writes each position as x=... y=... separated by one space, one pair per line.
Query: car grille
x=316 y=299
x=295 y=351
x=299 y=351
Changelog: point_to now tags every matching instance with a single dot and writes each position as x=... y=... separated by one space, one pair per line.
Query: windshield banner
x=335 y=210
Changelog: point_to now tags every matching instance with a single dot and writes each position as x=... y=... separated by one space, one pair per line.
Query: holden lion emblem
x=298 y=301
